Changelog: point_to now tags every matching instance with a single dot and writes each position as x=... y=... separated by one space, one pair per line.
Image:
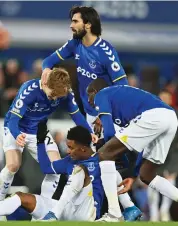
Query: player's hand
x=20 y=140
x=97 y=127
x=94 y=138
x=127 y=185
x=44 y=76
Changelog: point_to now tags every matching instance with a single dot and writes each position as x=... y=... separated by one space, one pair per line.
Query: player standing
x=95 y=58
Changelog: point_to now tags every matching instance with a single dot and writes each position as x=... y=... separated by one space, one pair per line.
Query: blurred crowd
x=12 y=76
x=155 y=207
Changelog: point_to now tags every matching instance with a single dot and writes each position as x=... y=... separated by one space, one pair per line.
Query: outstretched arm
x=65 y=52
x=48 y=167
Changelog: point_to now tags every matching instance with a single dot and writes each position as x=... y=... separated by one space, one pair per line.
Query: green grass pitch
x=25 y=223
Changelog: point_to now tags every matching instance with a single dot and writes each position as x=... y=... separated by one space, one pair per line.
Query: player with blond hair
x=34 y=103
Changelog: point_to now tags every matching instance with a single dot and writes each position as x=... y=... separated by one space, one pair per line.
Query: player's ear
x=88 y=26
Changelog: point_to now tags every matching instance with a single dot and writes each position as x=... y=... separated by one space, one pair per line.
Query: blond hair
x=58 y=81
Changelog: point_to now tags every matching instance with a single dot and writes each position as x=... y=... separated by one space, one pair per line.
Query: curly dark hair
x=80 y=135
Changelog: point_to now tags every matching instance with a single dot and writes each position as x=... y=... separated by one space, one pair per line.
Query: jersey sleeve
x=65 y=52
x=47 y=167
x=75 y=113
x=25 y=96
x=113 y=65
x=71 y=104
x=105 y=114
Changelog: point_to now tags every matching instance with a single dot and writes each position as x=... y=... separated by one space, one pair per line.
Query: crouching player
x=145 y=124
x=34 y=103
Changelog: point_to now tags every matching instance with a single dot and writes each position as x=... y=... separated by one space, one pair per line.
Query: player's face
x=77 y=26
x=74 y=150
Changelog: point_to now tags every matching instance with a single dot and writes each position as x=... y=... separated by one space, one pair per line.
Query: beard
x=80 y=34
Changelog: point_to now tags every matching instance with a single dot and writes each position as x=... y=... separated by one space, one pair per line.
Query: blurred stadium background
x=144 y=33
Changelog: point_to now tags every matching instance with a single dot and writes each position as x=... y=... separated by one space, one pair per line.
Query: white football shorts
x=80 y=209
x=9 y=143
x=151 y=132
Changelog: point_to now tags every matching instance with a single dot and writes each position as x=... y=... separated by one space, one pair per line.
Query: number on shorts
x=49 y=140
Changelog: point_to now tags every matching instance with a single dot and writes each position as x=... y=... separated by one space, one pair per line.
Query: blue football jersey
x=31 y=105
x=92 y=164
x=124 y=103
x=100 y=60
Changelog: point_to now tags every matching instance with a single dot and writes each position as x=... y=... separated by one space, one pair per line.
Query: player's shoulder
x=103 y=45
x=103 y=95
x=30 y=87
x=105 y=91
x=71 y=95
x=72 y=42
x=32 y=84
x=106 y=50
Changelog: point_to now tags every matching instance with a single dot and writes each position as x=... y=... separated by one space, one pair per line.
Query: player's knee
x=28 y=201
x=13 y=167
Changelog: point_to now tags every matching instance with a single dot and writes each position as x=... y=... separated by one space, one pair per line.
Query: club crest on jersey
x=91 y=166
x=92 y=64
x=115 y=66
x=77 y=57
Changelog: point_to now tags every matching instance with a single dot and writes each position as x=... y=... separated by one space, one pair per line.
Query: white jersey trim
x=98 y=42
x=53 y=168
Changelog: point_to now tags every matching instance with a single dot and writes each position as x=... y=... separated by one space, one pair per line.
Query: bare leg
x=9 y=205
